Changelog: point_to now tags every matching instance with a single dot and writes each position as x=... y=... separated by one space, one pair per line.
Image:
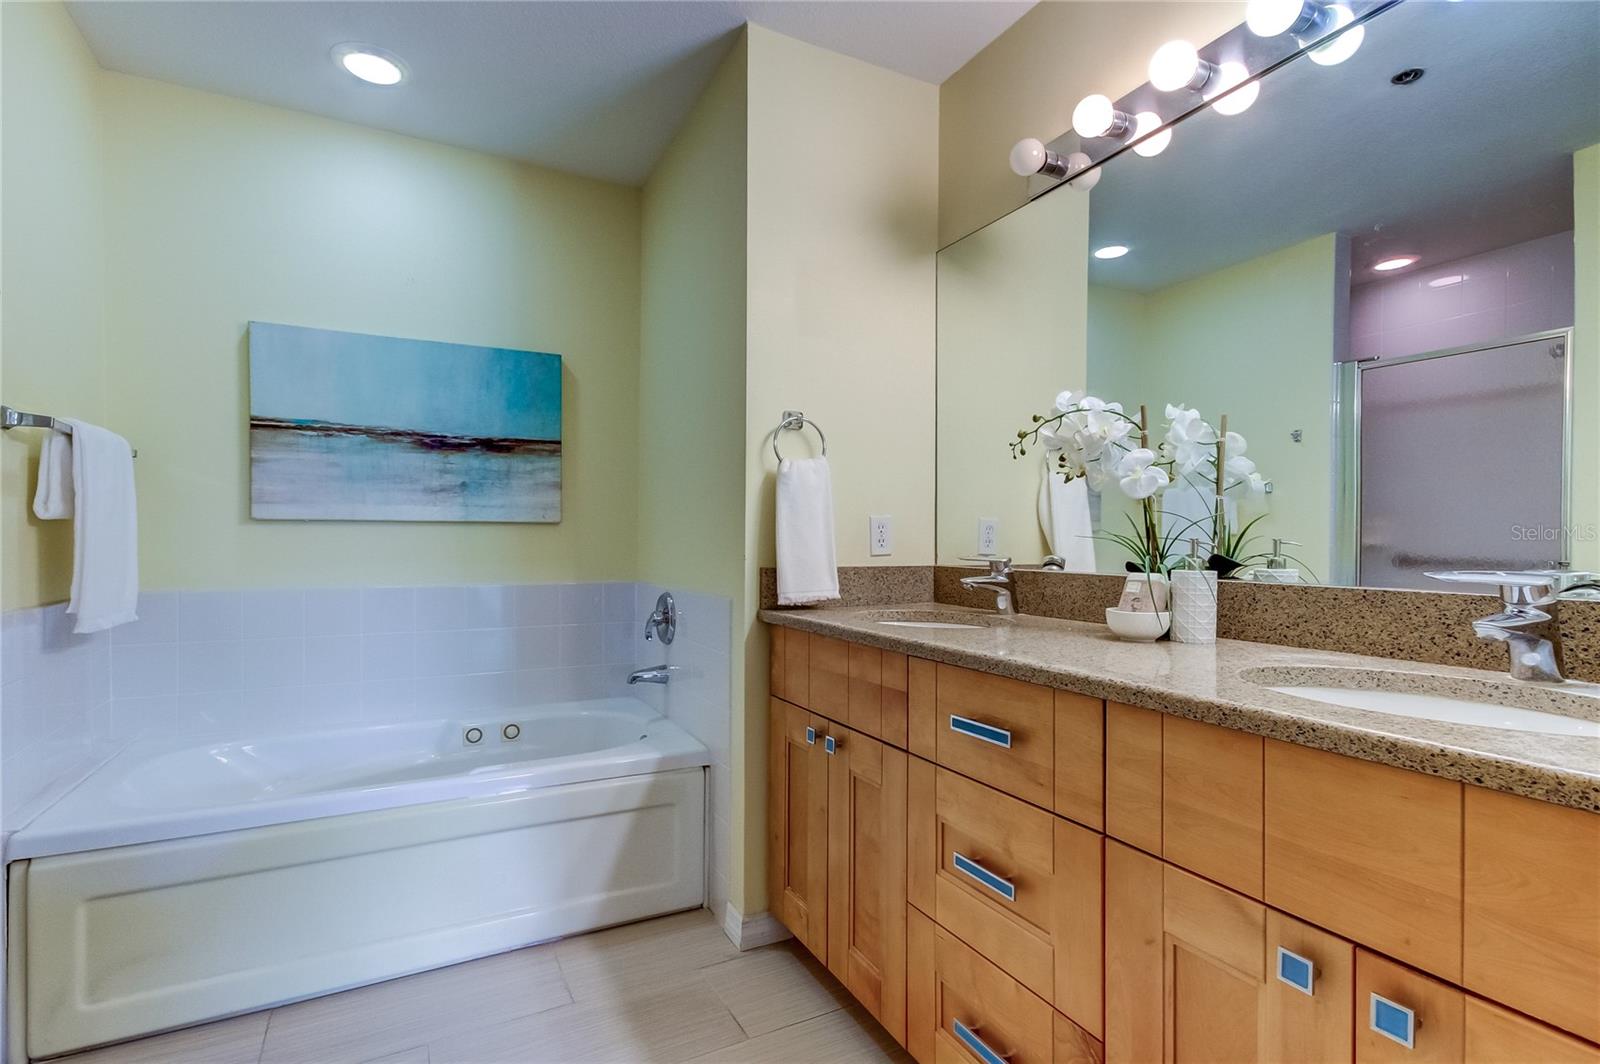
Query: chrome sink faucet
x=1529 y=621
x=997 y=580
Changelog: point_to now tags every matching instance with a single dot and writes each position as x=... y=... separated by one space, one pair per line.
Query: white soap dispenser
x=1194 y=599
x=1278 y=569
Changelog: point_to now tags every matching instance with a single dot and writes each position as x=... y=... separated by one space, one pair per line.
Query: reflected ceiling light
x=1230 y=74
x=1343 y=46
x=1177 y=65
x=1096 y=117
x=1110 y=251
x=1147 y=122
x=372 y=65
x=1447 y=282
x=1398 y=262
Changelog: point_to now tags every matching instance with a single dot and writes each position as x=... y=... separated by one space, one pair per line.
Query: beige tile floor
x=671 y=989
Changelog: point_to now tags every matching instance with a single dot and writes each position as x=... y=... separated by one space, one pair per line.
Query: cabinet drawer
x=1532 y=896
x=1402 y=1015
x=1499 y=1036
x=962 y=1009
x=828 y=678
x=1367 y=851
x=997 y=730
x=1020 y=886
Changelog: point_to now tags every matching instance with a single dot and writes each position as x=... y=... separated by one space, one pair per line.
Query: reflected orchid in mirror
x=1138 y=476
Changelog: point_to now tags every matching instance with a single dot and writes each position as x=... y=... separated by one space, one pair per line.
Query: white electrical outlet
x=988 y=535
x=880 y=541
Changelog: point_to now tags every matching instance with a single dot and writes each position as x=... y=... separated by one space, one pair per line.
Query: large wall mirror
x=1385 y=273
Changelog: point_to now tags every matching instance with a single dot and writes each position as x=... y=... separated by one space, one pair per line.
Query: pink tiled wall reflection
x=1512 y=291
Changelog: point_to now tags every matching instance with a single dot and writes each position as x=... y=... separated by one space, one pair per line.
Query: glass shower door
x=1462 y=462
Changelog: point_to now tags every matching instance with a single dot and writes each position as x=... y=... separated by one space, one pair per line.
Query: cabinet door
x=797 y=819
x=1499 y=1036
x=867 y=873
x=1196 y=972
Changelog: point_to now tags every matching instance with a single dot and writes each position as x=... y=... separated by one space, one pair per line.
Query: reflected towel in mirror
x=1064 y=518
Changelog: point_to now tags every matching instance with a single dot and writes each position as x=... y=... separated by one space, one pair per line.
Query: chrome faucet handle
x=998 y=566
x=1517 y=588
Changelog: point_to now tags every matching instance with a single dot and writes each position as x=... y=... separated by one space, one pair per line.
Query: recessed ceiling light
x=1110 y=251
x=372 y=65
x=1447 y=282
x=1399 y=262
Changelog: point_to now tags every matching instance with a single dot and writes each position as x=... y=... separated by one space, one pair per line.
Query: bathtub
x=184 y=882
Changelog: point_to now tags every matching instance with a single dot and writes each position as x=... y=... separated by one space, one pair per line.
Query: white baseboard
x=751 y=932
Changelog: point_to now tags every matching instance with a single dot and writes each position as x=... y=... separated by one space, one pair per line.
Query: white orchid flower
x=1138 y=476
x=1100 y=473
x=1065 y=401
x=1236 y=444
x=1190 y=443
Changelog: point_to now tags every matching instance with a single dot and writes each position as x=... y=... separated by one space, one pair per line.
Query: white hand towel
x=105 y=534
x=808 y=566
x=1064 y=518
x=52 y=499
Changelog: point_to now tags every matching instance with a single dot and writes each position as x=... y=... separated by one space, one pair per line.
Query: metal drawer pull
x=978 y=730
x=1393 y=1020
x=979 y=1047
x=831 y=745
x=1297 y=971
x=972 y=869
x=811 y=737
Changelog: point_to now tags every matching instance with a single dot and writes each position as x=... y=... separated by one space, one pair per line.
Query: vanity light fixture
x=1229 y=75
x=1177 y=65
x=1398 y=262
x=1110 y=251
x=1147 y=122
x=1307 y=20
x=372 y=65
x=1029 y=156
x=1096 y=117
x=1343 y=46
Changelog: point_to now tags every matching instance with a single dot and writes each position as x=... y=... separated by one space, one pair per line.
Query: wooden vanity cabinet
x=837 y=853
x=1014 y=882
x=1198 y=972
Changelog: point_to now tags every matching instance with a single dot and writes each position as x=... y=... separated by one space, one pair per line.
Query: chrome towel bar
x=12 y=418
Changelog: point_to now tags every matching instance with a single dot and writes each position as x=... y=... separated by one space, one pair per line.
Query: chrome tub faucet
x=654 y=674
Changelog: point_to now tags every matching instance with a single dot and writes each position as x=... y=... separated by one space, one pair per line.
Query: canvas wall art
x=351 y=427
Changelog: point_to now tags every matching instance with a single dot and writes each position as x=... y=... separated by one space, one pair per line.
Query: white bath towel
x=808 y=567
x=52 y=499
x=105 y=531
x=1064 y=518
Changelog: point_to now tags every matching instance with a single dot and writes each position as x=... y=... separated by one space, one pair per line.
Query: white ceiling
x=592 y=87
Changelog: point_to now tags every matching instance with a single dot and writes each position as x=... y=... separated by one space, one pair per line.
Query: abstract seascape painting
x=351 y=427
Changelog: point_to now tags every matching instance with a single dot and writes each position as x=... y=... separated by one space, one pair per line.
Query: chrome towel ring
x=795 y=421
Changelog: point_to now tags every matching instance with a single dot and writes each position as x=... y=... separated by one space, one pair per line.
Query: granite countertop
x=1213 y=684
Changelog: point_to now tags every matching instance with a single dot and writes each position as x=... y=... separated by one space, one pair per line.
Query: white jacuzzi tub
x=185 y=882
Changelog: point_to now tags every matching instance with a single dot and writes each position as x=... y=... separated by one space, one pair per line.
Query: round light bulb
x=1148 y=122
x=1174 y=66
x=1077 y=162
x=369 y=64
x=1230 y=74
x=1027 y=157
x=1110 y=251
x=1268 y=18
x=1399 y=262
x=1094 y=116
x=1343 y=46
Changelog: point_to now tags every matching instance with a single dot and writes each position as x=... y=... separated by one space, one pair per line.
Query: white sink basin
x=1448 y=710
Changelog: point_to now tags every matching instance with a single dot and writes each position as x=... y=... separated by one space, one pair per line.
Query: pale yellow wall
x=1254 y=341
x=1026 y=83
x=842 y=234
x=1586 y=358
x=692 y=348
x=1012 y=307
x=224 y=211
x=52 y=283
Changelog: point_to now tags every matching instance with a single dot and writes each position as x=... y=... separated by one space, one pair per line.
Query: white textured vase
x=1194 y=606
